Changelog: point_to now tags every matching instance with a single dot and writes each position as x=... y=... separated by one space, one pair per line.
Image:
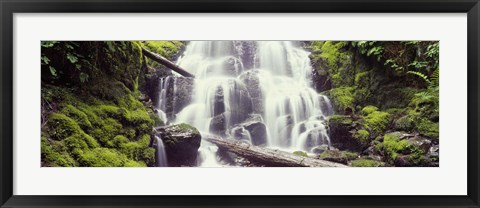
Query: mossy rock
x=366 y=163
x=181 y=144
x=300 y=153
x=369 y=109
x=428 y=128
x=344 y=134
x=338 y=156
x=377 y=121
x=342 y=99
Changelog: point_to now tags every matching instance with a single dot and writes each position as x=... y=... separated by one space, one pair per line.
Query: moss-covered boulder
x=362 y=162
x=346 y=133
x=402 y=149
x=338 y=156
x=181 y=144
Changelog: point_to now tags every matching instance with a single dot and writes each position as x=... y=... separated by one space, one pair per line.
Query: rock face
x=342 y=134
x=235 y=93
x=257 y=131
x=252 y=82
x=178 y=91
x=217 y=125
x=181 y=144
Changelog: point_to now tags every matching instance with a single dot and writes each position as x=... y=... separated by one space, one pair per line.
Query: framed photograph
x=239 y=104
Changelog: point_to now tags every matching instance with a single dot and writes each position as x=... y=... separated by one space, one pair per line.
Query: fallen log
x=163 y=61
x=269 y=157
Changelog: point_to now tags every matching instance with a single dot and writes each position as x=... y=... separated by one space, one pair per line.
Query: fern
x=421 y=75
x=434 y=79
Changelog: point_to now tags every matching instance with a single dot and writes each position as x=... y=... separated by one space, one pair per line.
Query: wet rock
x=342 y=133
x=183 y=93
x=218 y=125
x=253 y=127
x=219 y=102
x=181 y=144
x=252 y=82
x=320 y=149
x=238 y=98
x=338 y=156
x=258 y=132
x=287 y=122
x=421 y=143
x=228 y=66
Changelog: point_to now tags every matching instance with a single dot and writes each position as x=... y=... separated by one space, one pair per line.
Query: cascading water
x=243 y=86
x=160 y=155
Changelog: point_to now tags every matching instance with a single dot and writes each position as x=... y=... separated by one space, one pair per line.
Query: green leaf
x=48 y=44
x=45 y=60
x=72 y=58
x=83 y=77
x=110 y=45
x=53 y=71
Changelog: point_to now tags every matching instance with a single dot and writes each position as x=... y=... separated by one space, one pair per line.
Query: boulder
x=343 y=133
x=218 y=125
x=257 y=130
x=238 y=99
x=183 y=93
x=181 y=144
x=338 y=156
x=252 y=82
x=320 y=149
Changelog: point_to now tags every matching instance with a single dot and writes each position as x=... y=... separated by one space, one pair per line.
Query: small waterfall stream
x=243 y=86
x=160 y=154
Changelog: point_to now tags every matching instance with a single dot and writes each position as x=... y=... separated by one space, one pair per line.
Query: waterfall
x=262 y=83
x=161 y=107
x=160 y=155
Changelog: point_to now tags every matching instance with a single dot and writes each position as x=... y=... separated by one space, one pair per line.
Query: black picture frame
x=10 y=7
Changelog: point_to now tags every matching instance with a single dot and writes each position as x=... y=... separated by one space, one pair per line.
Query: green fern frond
x=421 y=75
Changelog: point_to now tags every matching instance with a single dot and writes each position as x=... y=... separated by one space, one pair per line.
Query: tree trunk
x=163 y=61
x=268 y=157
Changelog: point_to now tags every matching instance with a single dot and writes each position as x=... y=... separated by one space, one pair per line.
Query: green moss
x=118 y=141
x=165 y=48
x=366 y=163
x=340 y=119
x=54 y=154
x=80 y=117
x=300 y=153
x=331 y=51
x=103 y=157
x=342 y=98
x=62 y=126
x=428 y=128
x=81 y=141
x=362 y=79
x=405 y=123
x=369 y=109
x=362 y=135
x=392 y=145
x=339 y=155
x=377 y=121
x=187 y=127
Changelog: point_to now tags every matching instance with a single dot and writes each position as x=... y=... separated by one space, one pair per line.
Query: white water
x=160 y=155
x=292 y=111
